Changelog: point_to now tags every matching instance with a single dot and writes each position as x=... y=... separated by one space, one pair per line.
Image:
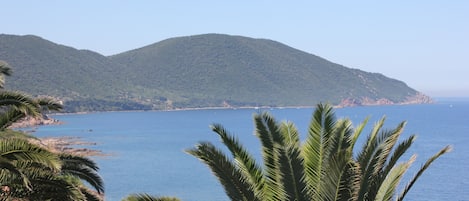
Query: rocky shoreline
x=418 y=98
x=69 y=145
x=35 y=121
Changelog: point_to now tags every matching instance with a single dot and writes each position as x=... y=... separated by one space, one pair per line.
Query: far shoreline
x=231 y=108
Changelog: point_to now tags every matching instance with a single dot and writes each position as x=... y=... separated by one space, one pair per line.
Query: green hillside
x=208 y=70
x=215 y=68
x=85 y=80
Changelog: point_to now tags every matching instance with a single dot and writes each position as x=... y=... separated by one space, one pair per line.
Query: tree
x=323 y=167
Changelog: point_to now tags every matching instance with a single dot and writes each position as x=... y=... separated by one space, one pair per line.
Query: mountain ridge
x=208 y=70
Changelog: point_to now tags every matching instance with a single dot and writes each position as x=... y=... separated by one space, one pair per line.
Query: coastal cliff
x=419 y=98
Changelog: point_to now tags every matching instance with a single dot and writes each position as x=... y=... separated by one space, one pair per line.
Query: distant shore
x=50 y=121
x=35 y=121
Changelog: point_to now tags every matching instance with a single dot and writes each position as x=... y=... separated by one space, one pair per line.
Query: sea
x=145 y=150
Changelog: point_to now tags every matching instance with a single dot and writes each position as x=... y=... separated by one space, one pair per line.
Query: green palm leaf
x=291 y=164
x=421 y=170
x=82 y=168
x=232 y=179
x=24 y=152
x=316 y=149
x=388 y=186
x=267 y=131
x=244 y=160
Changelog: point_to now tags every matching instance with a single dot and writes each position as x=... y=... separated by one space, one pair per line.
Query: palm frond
x=82 y=168
x=384 y=142
x=350 y=182
x=398 y=152
x=23 y=151
x=331 y=185
x=388 y=187
x=55 y=188
x=234 y=182
x=316 y=148
x=367 y=151
x=10 y=116
x=368 y=158
x=10 y=173
x=421 y=170
x=341 y=140
x=291 y=164
x=245 y=161
x=356 y=134
x=19 y=101
x=267 y=131
x=389 y=140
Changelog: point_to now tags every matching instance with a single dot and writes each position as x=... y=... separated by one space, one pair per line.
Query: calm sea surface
x=147 y=148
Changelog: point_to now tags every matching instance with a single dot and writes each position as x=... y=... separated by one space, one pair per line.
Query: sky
x=424 y=43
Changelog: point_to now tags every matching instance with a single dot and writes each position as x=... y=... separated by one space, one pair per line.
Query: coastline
x=70 y=145
x=231 y=108
x=32 y=122
x=67 y=145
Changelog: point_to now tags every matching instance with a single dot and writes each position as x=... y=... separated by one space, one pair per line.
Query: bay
x=146 y=149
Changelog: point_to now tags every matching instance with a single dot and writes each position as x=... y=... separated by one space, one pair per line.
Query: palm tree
x=322 y=168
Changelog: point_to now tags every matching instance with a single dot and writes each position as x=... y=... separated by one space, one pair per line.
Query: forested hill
x=83 y=79
x=211 y=70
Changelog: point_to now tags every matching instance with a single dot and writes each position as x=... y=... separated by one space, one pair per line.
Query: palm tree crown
x=323 y=167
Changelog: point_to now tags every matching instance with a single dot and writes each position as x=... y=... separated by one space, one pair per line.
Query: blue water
x=147 y=148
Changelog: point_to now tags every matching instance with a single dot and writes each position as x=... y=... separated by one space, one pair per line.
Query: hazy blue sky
x=423 y=43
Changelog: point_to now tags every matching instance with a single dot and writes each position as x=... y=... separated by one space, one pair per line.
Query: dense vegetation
x=195 y=71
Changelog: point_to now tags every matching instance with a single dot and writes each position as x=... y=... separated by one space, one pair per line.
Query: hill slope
x=84 y=79
x=196 y=71
x=243 y=71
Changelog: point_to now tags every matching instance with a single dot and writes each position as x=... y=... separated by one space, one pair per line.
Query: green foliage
x=31 y=172
x=322 y=168
x=210 y=70
x=103 y=105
